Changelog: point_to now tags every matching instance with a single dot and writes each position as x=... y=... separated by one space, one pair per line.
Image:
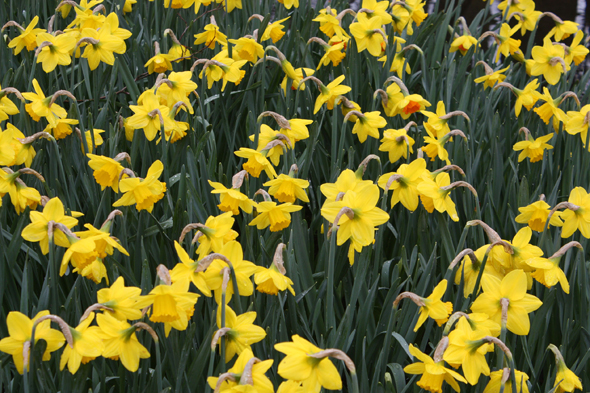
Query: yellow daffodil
x=491 y=79
x=434 y=307
x=87 y=345
x=231 y=199
x=439 y=192
x=296 y=76
x=256 y=162
x=247 y=49
x=274 y=31
x=405 y=187
x=20 y=328
x=467 y=349
x=495 y=383
x=40 y=106
x=563 y=29
x=187 y=270
x=469 y=270
x=251 y=380
x=360 y=226
x=243 y=269
x=329 y=24
x=56 y=50
x=159 y=63
x=225 y=69
x=172 y=304
x=149 y=115
x=329 y=93
x=211 y=36
x=298 y=365
x=411 y=103
x=565 y=379
x=177 y=88
x=36 y=231
x=105 y=47
x=120 y=341
x=368 y=34
x=533 y=148
x=105 y=171
x=536 y=214
x=578 y=219
x=547 y=61
x=62 y=128
x=286 y=188
x=278 y=217
x=27 y=37
x=242 y=333
x=513 y=288
x=144 y=193
x=577 y=123
x=121 y=299
x=551 y=109
x=368 y=125
x=397 y=143
x=433 y=373
x=346 y=181
x=548 y=272
x=576 y=52
x=435 y=125
x=272 y=280
x=463 y=44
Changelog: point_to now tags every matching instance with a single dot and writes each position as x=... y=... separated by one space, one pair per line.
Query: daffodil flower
x=242 y=331
x=433 y=373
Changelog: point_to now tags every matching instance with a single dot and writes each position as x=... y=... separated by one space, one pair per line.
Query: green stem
x=330 y=318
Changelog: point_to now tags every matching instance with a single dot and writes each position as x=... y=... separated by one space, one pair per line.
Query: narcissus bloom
x=576 y=52
x=573 y=220
x=36 y=231
x=243 y=332
x=172 y=304
x=493 y=78
x=7 y=107
x=20 y=328
x=439 y=193
x=271 y=281
x=187 y=270
x=434 y=307
x=149 y=115
x=39 y=106
x=88 y=345
x=253 y=381
x=565 y=379
x=526 y=97
x=360 y=227
x=329 y=24
x=512 y=287
x=256 y=162
x=495 y=383
x=548 y=272
x=242 y=268
x=289 y=3
x=547 y=62
x=405 y=188
x=563 y=29
x=211 y=36
x=144 y=193
x=411 y=103
x=435 y=125
x=397 y=143
x=368 y=125
x=274 y=31
x=463 y=44
x=120 y=341
x=121 y=299
x=576 y=123
x=533 y=148
x=329 y=93
x=347 y=181
x=104 y=49
x=247 y=49
x=296 y=77
x=366 y=35
x=507 y=44
x=466 y=348
x=536 y=214
x=551 y=109
x=27 y=37
x=312 y=372
x=433 y=373
x=231 y=199
x=469 y=270
x=105 y=171
x=288 y=189
x=278 y=217
x=159 y=63
x=57 y=52
x=215 y=233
